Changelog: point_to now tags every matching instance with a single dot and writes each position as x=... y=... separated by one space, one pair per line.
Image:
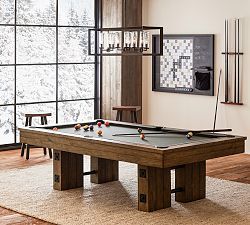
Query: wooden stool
x=28 y=122
x=132 y=109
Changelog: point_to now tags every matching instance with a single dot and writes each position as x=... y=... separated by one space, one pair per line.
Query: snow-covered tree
x=37 y=83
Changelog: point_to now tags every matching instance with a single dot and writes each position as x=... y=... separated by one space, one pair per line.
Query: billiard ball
x=107 y=123
x=78 y=126
x=99 y=132
x=139 y=130
x=91 y=127
x=142 y=136
x=55 y=129
x=86 y=127
x=189 y=135
x=99 y=124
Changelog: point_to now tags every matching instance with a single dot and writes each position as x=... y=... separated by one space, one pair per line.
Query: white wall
x=193 y=111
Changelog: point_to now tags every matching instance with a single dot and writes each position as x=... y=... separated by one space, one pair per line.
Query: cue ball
x=139 y=130
x=142 y=136
x=189 y=135
x=99 y=124
x=107 y=123
x=91 y=127
x=78 y=126
x=55 y=129
x=99 y=132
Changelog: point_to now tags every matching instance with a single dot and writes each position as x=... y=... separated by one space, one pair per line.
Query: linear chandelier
x=121 y=41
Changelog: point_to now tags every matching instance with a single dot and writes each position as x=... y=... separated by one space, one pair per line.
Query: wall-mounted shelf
x=232 y=103
x=232 y=53
x=236 y=55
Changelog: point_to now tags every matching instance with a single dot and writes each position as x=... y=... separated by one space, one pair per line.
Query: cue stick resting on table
x=217 y=100
x=175 y=132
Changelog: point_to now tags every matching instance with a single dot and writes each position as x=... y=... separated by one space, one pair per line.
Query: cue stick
x=175 y=132
x=238 y=60
x=226 y=61
x=226 y=92
x=217 y=99
x=235 y=60
x=227 y=57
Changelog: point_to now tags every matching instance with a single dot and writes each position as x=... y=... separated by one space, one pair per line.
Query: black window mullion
x=15 y=76
x=46 y=102
x=49 y=64
x=98 y=64
x=41 y=25
x=57 y=2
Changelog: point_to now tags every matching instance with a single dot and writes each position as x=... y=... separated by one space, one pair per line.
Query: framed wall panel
x=187 y=64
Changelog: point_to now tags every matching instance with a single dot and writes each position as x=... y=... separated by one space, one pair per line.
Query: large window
x=44 y=62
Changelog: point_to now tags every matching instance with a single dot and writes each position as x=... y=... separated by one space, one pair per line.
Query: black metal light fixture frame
x=135 y=51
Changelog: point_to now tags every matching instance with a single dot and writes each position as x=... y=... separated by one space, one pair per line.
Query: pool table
x=162 y=150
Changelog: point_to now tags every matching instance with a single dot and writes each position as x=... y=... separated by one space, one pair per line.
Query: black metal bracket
x=177 y=167
x=90 y=172
x=57 y=156
x=56 y=178
x=143 y=198
x=143 y=173
x=180 y=189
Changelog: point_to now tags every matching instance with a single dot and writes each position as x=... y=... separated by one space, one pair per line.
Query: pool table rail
x=107 y=149
x=142 y=154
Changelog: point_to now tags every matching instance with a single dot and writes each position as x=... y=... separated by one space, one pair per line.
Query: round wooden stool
x=132 y=109
x=28 y=122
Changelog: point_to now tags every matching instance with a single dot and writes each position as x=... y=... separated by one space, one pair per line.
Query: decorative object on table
x=124 y=41
x=28 y=122
x=187 y=64
x=236 y=53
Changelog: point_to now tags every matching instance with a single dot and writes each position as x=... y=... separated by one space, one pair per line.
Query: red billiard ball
x=78 y=126
x=107 y=123
x=142 y=136
x=99 y=132
x=55 y=129
x=99 y=124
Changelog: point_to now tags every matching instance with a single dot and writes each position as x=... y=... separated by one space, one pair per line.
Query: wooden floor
x=234 y=168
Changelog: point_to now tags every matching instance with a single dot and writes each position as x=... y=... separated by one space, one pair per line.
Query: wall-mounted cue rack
x=236 y=73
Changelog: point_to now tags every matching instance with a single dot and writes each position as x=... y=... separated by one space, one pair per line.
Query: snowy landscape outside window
x=44 y=63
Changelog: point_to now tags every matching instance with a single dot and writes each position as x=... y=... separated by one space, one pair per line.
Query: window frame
x=96 y=63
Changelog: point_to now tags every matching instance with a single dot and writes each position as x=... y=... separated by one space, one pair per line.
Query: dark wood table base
x=154 y=184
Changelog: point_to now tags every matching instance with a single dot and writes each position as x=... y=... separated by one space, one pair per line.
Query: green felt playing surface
x=159 y=140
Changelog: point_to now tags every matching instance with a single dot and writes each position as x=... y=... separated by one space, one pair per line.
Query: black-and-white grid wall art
x=186 y=65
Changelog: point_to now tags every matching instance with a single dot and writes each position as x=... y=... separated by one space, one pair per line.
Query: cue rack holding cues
x=236 y=53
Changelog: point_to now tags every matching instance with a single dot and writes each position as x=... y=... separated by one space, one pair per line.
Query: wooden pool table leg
x=107 y=170
x=67 y=170
x=192 y=178
x=154 y=188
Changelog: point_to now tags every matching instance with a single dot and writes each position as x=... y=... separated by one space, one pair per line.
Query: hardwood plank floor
x=234 y=168
x=10 y=160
